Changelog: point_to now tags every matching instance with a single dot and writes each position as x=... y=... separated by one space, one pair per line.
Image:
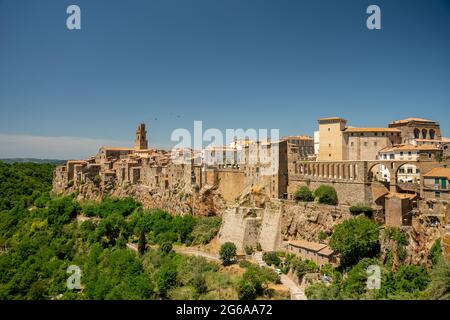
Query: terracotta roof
x=351 y=129
x=401 y=195
x=312 y=246
x=410 y=148
x=438 y=173
x=326 y=251
x=407 y=120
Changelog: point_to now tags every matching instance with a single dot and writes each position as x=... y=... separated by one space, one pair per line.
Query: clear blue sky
x=230 y=63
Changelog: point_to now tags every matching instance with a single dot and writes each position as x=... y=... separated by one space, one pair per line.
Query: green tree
x=246 y=290
x=227 y=253
x=142 y=243
x=355 y=239
x=303 y=194
x=326 y=194
x=166 y=278
x=110 y=228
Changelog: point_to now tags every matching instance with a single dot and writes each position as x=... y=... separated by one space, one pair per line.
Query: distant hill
x=33 y=160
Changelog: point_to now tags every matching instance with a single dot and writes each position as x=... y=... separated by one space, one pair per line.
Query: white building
x=407 y=172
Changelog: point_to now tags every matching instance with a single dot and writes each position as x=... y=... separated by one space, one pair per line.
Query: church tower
x=141 y=143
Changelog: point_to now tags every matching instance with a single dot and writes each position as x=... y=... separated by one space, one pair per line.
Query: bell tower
x=141 y=143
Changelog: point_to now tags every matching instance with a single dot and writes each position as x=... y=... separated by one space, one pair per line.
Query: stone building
x=365 y=143
x=411 y=153
x=303 y=146
x=337 y=142
x=414 y=129
x=436 y=184
x=319 y=253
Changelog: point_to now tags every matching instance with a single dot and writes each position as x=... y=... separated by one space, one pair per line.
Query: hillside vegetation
x=41 y=235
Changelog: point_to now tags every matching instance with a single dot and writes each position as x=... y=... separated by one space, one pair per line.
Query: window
x=410 y=170
x=424 y=133
x=401 y=171
x=437 y=194
x=416 y=133
x=436 y=181
x=430 y=205
x=409 y=153
x=444 y=183
x=352 y=143
x=429 y=156
x=392 y=157
x=401 y=153
x=417 y=171
x=432 y=134
x=385 y=156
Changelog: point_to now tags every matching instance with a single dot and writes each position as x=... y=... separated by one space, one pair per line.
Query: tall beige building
x=338 y=142
x=332 y=145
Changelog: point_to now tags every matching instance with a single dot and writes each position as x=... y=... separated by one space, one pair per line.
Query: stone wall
x=279 y=221
x=349 y=193
x=240 y=228
x=231 y=183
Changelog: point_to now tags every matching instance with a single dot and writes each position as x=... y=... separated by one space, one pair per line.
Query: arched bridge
x=353 y=171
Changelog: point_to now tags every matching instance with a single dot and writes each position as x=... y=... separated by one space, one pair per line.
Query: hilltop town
x=400 y=172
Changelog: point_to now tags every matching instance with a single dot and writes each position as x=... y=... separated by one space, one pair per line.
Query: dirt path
x=196 y=252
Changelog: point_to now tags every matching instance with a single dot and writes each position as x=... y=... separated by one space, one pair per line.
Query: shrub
x=303 y=194
x=271 y=258
x=435 y=252
x=361 y=209
x=199 y=284
x=303 y=267
x=246 y=290
x=326 y=195
x=322 y=235
x=249 y=250
x=205 y=229
x=227 y=252
x=166 y=247
x=245 y=264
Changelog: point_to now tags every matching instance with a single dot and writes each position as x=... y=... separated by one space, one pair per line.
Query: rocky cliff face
x=177 y=200
x=305 y=220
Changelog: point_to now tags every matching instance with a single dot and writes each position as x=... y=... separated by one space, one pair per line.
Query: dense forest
x=43 y=235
